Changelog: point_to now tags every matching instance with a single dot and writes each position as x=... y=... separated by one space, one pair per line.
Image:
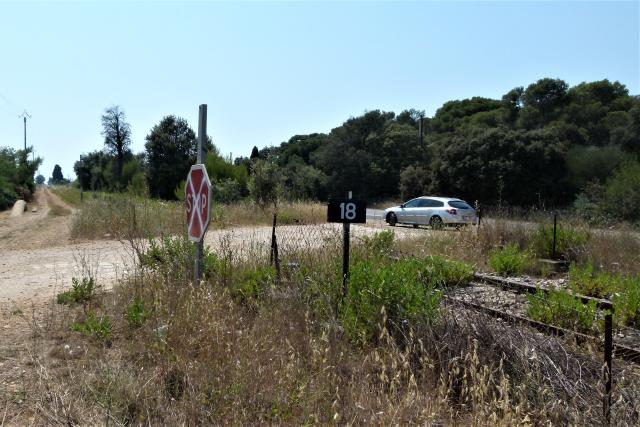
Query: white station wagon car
x=434 y=211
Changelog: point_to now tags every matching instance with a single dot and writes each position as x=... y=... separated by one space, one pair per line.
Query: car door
x=435 y=208
x=422 y=211
x=423 y=214
x=408 y=212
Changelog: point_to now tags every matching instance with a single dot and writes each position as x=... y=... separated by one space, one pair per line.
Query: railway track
x=507 y=299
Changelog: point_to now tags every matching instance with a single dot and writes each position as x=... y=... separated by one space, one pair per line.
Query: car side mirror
x=402 y=206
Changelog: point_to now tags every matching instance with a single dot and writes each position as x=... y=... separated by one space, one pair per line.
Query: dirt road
x=38 y=257
x=37 y=254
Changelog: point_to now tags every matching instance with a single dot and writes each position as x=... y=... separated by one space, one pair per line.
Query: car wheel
x=436 y=222
x=393 y=219
x=415 y=226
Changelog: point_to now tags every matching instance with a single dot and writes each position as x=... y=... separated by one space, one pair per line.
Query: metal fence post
x=555 y=223
x=607 y=373
x=274 y=258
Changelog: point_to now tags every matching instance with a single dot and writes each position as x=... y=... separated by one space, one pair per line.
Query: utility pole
x=24 y=116
x=421 y=130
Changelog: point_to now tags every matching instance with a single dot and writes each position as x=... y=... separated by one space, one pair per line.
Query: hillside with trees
x=546 y=146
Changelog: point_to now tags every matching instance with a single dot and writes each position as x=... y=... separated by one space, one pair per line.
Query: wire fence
x=577 y=373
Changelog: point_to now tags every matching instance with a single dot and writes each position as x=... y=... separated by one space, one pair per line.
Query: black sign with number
x=347 y=210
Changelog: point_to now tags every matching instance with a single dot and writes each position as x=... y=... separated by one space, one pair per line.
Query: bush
x=380 y=243
x=227 y=190
x=439 y=271
x=16 y=175
x=100 y=328
x=626 y=302
x=569 y=241
x=82 y=291
x=265 y=184
x=389 y=294
x=623 y=192
x=594 y=285
x=252 y=285
x=624 y=291
x=561 y=308
x=174 y=257
x=136 y=313
x=509 y=261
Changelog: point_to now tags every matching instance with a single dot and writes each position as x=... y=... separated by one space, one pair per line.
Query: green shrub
x=101 y=328
x=624 y=291
x=173 y=255
x=561 y=308
x=82 y=291
x=622 y=193
x=136 y=313
x=594 y=285
x=510 y=260
x=395 y=289
x=569 y=241
x=626 y=301
x=252 y=285
x=380 y=243
x=439 y=271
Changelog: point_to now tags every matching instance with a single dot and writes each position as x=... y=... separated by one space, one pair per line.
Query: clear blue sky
x=271 y=70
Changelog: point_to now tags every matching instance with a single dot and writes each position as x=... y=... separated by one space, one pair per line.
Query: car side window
x=433 y=203
x=412 y=203
x=424 y=203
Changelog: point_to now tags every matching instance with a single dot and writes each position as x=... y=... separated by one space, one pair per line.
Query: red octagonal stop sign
x=198 y=202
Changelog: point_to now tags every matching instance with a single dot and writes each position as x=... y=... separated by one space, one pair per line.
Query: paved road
x=375 y=214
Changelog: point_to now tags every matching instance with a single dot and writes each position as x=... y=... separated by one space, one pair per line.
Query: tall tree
x=117 y=135
x=171 y=150
x=56 y=176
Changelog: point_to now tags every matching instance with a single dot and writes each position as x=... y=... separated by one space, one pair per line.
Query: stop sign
x=198 y=202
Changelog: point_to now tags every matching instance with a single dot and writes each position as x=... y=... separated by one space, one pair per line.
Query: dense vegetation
x=580 y=143
x=16 y=175
x=572 y=146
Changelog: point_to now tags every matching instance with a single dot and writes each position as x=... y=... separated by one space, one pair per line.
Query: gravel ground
x=515 y=303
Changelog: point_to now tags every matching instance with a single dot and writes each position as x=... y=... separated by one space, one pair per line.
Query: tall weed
x=562 y=308
x=570 y=241
x=510 y=260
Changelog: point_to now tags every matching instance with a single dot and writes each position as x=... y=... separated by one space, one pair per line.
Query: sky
x=271 y=70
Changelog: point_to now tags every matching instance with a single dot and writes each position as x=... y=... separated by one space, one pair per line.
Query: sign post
x=346 y=211
x=198 y=197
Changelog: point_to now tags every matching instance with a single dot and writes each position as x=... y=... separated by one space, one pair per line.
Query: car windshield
x=459 y=204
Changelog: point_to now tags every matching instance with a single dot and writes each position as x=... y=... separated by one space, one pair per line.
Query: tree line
x=159 y=171
x=546 y=145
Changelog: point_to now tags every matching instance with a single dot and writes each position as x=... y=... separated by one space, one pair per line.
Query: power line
x=9 y=102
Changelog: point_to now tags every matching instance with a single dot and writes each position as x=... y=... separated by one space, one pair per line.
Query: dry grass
x=248 y=213
x=70 y=195
x=104 y=215
x=614 y=251
x=219 y=354
x=57 y=210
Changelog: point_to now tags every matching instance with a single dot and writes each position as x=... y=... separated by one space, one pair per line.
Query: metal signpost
x=346 y=211
x=197 y=198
